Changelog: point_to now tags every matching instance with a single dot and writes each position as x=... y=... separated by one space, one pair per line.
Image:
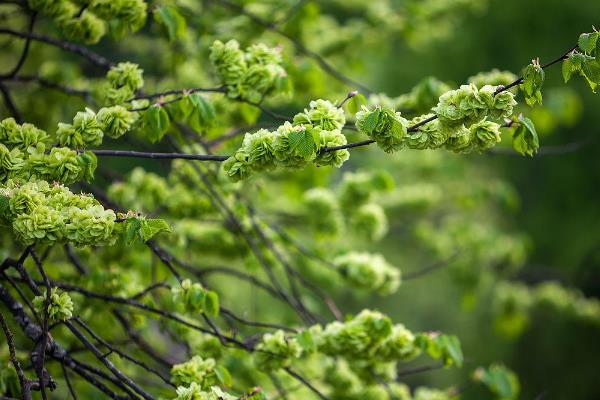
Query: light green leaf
x=500 y=380
x=306 y=341
x=452 y=352
x=132 y=229
x=302 y=142
x=211 y=303
x=356 y=102
x=150 y=227
x=371 y=121
x=156 y=123
x=202 y=112
x=223 y=375
x=591 y=71
x=88 y=162
x=525 y=138
x=196 y=298
x=533 y=80
x=172 y=22
x=568 y=68
x=587 y=41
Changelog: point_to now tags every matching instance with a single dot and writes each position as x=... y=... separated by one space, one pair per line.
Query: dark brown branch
x=10 y=104
x=50 y=84
x=169 y=156
x=83 y=51
x=23 y=57
x=23 y=381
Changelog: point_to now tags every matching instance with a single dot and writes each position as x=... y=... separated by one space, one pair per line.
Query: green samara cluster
x=293 y=145
x=90 y=21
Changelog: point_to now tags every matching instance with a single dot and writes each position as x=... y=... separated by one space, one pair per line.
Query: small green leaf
x=500 y=380
x=525 y=138
x=151 y=227
x=306 y=341
x=371 y=121
x=302 y=142
x=591 y=72
x=88 y=162
x=202 y=112
x=196 y=299
x=172 y=22
x=587 y=41
x=451 y=350
x=132 y=229
x=567 y=69
x=223 y=375
x=356 y=102
x=156 y=122
x=533 y=80
x=211 y=304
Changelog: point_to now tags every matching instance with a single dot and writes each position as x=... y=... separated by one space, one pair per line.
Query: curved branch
x=83 y=51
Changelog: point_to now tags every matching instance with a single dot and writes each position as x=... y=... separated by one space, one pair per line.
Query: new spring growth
x=60 y=306
x=292 y=145
x=91 y=24
x=251 y=74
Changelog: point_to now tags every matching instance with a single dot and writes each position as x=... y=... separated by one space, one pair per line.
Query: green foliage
x=368 y=271
x=279 y=250
x=446 y=347
x=200 y=371
x=525 y=138
x=195 y=392
x=59 y=305
x=500 y=380
x=156 y=123
x=196 y=298
x=249 y=75
x=586 y=64
x=275 y=351
x=171 y=21
x=533 y=80
x=383 y=125
x=122 y=81
x=292 y=145
x=41 y=213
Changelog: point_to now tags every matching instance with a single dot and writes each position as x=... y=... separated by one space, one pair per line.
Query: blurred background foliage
x=487 y=218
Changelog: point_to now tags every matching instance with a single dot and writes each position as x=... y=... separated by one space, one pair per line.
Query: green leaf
x=587 y=41
x=371 y=121
x=223 y=375
x=88 y=162
x=156 y=122
x=202 y=112
x=151 y=227
x=132 y=229
x=591 y=72
x=525 y=138
x=533 y=80
x=356 y=102
x=451 y=350
x=306 y=341
x=302 y=142
x=499 y=380
x=173 y=23
x=211 y=305
x=567 y=69
x=196 y=298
